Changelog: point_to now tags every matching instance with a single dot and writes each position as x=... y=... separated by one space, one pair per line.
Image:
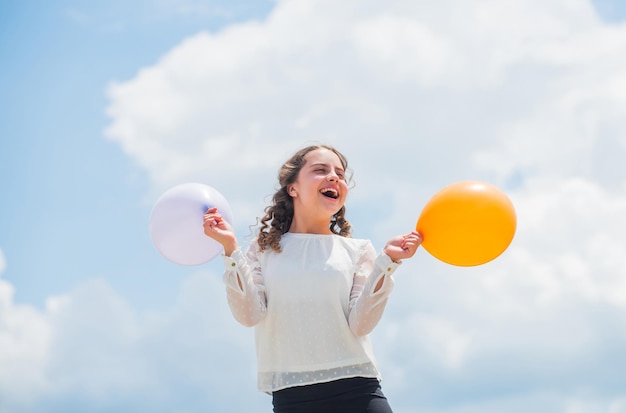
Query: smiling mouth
x=330 y=193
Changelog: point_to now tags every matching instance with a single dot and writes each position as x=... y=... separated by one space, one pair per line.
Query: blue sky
x=55 y=162
x=104 y=106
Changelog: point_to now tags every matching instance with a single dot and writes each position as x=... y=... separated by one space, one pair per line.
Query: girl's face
x=321 y=186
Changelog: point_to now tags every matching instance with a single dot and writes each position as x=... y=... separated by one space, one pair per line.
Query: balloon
x=467 y=223
x=176 y=223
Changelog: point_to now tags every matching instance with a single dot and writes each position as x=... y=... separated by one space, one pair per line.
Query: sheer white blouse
x=313 y=305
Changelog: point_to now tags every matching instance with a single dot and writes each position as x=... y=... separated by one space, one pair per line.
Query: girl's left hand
x=403 y=246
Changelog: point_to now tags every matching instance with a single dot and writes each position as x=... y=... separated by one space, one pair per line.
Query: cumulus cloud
x=24 y=343
x=89 y=349
x=547 y=315
x=528 y=95
x=504 y=92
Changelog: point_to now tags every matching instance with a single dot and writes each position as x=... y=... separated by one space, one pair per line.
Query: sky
x=106 y=105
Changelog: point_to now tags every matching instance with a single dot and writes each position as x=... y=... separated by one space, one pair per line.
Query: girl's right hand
x=216 y=227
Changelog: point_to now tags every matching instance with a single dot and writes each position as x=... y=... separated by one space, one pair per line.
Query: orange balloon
x=467 y=223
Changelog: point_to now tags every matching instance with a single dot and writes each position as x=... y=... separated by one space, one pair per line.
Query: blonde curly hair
x=279 y=214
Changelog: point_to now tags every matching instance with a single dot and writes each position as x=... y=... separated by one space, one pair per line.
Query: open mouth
x=330 y=193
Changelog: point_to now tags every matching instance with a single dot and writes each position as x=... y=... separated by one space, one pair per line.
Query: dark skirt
x=352 y=395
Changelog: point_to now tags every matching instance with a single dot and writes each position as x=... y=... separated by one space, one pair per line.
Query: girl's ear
x=291 y=191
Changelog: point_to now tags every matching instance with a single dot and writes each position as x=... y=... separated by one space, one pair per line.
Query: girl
x=313 y=292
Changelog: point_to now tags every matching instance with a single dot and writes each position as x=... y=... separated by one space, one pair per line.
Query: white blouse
x=313 y=305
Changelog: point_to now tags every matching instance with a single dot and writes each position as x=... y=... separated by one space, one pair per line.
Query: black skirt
x=352 y=395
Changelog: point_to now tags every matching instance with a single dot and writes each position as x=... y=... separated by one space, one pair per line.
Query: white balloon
x=176 y=223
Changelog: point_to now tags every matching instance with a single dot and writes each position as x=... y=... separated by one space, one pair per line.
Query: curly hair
x=279 y=214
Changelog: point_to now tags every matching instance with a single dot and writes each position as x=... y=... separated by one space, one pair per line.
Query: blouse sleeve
x=245 y=288
x=367 y=305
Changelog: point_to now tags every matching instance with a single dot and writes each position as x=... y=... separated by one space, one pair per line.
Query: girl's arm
x=372 y=284
x=373 y=281
x=245 y=289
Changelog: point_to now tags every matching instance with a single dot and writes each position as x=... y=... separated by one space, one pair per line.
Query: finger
x=410 y=246
x=413 y=240
x=414 y=235
x=213 y=216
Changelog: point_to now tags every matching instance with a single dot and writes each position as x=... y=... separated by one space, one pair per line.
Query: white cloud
x=545 y=315
x=526 y=94
x=451 y=89
x=89 y=347
x=24 y=340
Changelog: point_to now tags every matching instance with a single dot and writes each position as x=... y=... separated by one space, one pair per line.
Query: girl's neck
x=301 y=225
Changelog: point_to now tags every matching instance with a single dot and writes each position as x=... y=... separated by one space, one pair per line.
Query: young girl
x=313 y=292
